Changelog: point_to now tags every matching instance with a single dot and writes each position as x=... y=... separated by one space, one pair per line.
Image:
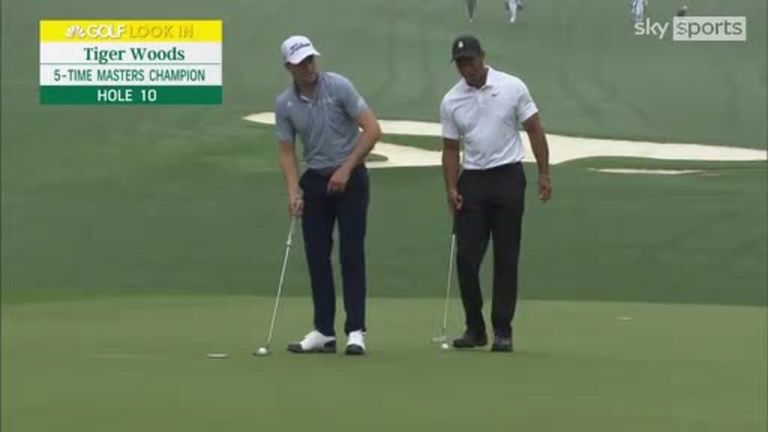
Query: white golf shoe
x=314 y=342
x=356 y=343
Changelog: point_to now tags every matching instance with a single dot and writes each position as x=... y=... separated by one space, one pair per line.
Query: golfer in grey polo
x=326 y=123
x=337 y=130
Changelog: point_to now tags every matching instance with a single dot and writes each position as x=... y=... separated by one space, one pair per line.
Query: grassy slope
x=611 y=237
x=100 y=200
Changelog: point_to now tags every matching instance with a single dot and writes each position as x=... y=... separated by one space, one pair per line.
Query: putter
x=443 y=337
x=265 y=349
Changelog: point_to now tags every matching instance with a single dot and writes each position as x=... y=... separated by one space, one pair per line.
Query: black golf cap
x=466 y=46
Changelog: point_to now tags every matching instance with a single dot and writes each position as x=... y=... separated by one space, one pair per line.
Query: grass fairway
x=127 y=365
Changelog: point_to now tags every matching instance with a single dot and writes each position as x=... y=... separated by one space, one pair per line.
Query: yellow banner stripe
x=83 y=30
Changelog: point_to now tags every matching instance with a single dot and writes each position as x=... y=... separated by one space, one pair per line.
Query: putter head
x=439 y=339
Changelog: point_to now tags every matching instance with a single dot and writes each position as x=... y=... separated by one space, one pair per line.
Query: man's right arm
x=451 y=166
x=286 y=136
x=288 y=165
x=451 y=158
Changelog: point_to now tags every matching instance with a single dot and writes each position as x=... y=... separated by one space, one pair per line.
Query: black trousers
x=321 y=212
x=493 y=202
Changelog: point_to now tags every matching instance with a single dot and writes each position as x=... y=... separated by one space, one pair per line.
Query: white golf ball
x=262 y=351
x=445 y=346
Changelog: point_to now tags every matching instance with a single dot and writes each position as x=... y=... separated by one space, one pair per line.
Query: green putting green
x=140 y=364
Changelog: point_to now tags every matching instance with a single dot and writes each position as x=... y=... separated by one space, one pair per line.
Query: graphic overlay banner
x=158 y=62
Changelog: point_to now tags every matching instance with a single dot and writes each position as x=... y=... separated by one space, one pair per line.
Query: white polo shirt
x=488 y=120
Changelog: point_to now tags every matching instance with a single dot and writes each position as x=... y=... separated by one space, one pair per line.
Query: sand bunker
x=562 y=148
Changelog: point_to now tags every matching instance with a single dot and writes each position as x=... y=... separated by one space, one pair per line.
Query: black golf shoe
x=471 y=340
x=502 y=344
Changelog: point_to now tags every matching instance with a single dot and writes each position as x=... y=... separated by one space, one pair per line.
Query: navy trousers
x=321 y=213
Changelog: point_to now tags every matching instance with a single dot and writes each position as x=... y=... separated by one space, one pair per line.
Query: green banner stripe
x=130 y=95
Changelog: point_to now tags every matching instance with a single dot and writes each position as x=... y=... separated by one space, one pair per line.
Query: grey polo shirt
x=326 y=124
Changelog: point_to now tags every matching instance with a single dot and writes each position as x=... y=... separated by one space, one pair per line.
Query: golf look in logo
x=130 y=62
x=117 y=31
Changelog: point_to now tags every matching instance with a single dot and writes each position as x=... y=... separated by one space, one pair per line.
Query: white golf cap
x=297 y=48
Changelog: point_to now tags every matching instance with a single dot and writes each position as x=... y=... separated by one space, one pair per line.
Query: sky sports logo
x=697 y=29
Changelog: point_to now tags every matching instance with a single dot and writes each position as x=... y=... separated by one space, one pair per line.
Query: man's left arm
x=355 y=106
x=371 y=133
x=541 y=152
x=528 y=114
